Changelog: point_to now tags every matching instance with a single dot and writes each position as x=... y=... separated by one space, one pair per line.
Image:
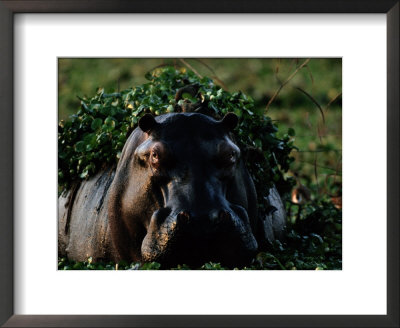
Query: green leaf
x=96 y=124
x=238 y=112
x=84 y=174
x=105 y=110
x=258 y=143
x=150 y=266
x=110 y=122
x=80 y=146
x=100 y=91
x=89 y=138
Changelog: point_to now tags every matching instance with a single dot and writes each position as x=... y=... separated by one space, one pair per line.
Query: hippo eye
x=232 y=157
x=227 y=159
x=154 y=158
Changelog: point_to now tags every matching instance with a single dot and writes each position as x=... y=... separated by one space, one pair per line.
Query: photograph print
x=199 y=164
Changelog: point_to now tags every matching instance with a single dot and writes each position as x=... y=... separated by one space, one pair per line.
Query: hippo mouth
x=175 y=237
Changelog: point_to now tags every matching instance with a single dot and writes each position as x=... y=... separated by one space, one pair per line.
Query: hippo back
x=83 y=229
x=273 y=225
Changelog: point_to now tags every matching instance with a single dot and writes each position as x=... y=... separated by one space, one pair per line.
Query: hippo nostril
x=183 y=217
x=224 y=216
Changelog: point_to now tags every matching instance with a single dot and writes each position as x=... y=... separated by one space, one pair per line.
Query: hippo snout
x=183 y=237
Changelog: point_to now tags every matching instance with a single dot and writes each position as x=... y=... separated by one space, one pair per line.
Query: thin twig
x=333 y=100
x=214 y=75
x=286 y=82
x=320 y=135
x=206 y=65
x=311 y=76
x=190 y=67
x=314 y=101
x=277 y=71
x=277 y=66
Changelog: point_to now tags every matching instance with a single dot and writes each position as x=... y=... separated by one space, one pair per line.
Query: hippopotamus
x=180 y=194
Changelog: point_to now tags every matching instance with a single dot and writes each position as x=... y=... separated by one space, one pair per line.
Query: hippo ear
x=230 y=121
x=147 y=122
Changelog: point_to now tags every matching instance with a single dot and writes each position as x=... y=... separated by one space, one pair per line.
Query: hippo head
x=186 y=196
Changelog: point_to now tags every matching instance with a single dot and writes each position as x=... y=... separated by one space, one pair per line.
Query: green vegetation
x=95 y=135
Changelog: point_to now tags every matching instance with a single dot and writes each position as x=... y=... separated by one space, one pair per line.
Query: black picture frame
x=10 y=7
